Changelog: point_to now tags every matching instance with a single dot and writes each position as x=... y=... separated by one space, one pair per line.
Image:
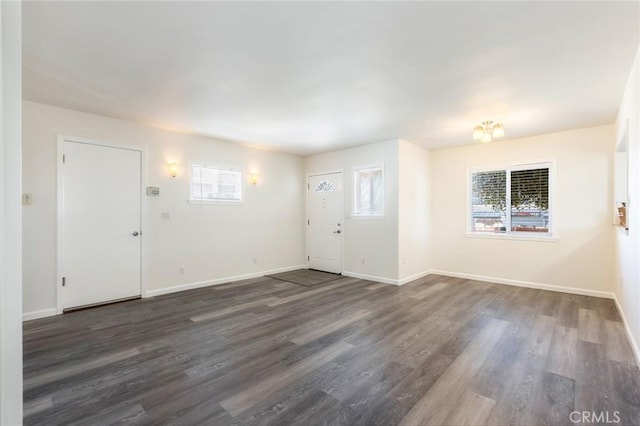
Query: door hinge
x=308 y=186
x=64 y=281
x=308 y=222
x=307 y=258
x=64 y=158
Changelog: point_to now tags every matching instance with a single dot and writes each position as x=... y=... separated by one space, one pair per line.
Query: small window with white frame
x=512 y=201
x=215 y=183
x=368 y=184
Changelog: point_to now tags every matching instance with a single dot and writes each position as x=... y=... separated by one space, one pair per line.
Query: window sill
x=368 y=216
x=529 y=237
x=218 y=202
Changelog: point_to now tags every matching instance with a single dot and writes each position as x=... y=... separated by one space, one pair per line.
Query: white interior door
x=100 y=224
x=325 y=222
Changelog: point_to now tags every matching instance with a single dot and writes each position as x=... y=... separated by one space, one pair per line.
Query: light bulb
x=173 y=169
x=498 y=131
x=486 y=138
x=253 y=178
x=478 y=131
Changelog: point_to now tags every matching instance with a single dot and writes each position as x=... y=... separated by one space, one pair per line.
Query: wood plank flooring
x=436 y=351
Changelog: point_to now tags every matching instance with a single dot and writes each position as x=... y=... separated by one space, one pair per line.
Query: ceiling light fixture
x=486 y=131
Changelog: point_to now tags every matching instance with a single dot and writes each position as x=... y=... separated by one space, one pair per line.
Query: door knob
x=337 y=232
x=135 y=233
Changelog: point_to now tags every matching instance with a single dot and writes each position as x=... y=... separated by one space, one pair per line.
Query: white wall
x=370 y=244
x=10 y=220
x=210 y=242
x=414 y=214
x=582 y=259
x=627 y=281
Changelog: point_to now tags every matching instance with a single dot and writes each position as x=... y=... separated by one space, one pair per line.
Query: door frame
x=60 y=211
x=309 y=175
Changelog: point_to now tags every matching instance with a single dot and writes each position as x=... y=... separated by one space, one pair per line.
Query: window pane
x=325 y=186
x=369 y=191
x=210 y=183
x=530 y=200
x=489 y=200
x=377 y=191
x=228 y=185
x=364 y=193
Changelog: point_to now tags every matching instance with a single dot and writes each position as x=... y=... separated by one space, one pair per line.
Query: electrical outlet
x=165 y=216
x=26 y=199
x=255 y=261
x=364 y=262
x=181 y=270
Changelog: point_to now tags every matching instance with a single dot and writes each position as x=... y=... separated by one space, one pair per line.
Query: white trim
x=523 y=236
x=517 y=283
x=219 y=201
x=59 y=211
x=514 y=165
x=99 y=143
x=414 y=277
x=367 y=217
x=330 y=172
x=624 y=140
x=144 y=230
x=218 y=281
x=355 y=189
x=551 y=163
x=385 y=280
x=59 y=215
x=28 y=316
x=634 y=344
x=342 y=215
x=371 y=278
x=11 y=292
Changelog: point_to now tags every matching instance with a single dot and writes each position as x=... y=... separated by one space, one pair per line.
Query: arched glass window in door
x=324 y=186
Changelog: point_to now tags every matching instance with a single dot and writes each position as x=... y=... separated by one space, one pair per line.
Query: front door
x=100 y=224
x=325 y=222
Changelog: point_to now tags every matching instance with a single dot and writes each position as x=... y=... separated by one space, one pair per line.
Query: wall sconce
x=253 y=178
x=173 y=169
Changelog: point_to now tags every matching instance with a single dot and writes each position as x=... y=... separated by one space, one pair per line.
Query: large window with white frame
x=215 y=184
x=368 y=191
x=513 y=200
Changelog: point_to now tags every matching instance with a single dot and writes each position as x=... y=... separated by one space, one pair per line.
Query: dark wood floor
x=267 y=352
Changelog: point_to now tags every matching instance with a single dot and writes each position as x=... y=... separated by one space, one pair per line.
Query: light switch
x=165 y=216
x=26 y=199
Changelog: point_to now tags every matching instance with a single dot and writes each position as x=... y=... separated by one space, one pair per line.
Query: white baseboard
x=632 y=340
x=540 y=286
x=371 y=278
x=414 y=277
x=218 y=281
x=572 y=290
x=28 y=316
x=385 y=280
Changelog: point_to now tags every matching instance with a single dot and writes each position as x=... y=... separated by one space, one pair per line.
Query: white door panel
x=101 y=211
x=325 y=222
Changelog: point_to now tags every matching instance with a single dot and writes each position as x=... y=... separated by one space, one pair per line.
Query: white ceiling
x=309 y=77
